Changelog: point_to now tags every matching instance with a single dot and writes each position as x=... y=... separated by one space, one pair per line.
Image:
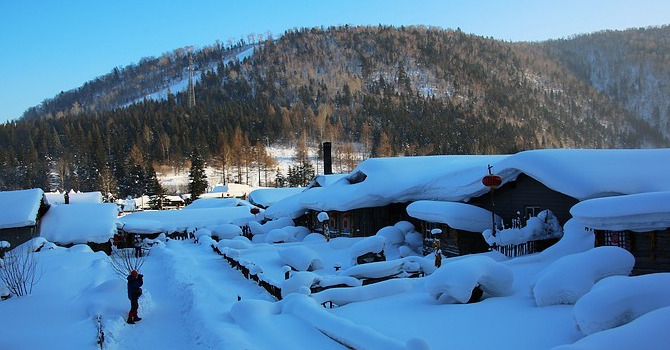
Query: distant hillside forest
x=378 y=91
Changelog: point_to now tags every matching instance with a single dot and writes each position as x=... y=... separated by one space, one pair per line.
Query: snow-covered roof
x=635 y=212
x=202 y=203
x=579 y=173
x=20 y=208
x=181 y=220
x=79 y=223
x=266 y=197
x=457 y=215
x=75 y=197
x=381 y=181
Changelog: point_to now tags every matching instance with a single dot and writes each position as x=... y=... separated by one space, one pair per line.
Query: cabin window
x=531 y=211
x=613 y=238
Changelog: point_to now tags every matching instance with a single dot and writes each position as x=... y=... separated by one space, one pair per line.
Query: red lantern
x=492 y=181
x=255 y=211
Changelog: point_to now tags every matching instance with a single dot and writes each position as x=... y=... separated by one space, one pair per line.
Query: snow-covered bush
x=225 y=231
x=18 y=271
x=617 y=300
x=455 y=281
x=296 y=281
x=544 y=226
x=399 y=267
x=278 y=235
x=298 y=233
x=570 y=277
x=641 y=333
x=301 y=258
x=393 y=235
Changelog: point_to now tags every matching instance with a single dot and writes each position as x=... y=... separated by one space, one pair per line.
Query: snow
x=79 y=223
x=169 y=221
x=203 y=203
x=322 y=216
x=19 y=208
x=459 y=216
x=642 y=333
x=618 y=300
x=457 y=178
x=225 y=231
x=570 y=277
x=454 y=281
x=373 y=244
x=635 y=212
x=258 y=228
x=543 y=226
x=265 y=197
x=301 y=258
x=74 y=197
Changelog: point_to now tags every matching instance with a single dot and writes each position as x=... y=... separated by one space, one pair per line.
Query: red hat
x=133 y=273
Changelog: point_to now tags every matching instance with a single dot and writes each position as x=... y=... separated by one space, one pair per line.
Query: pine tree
x=197 y=179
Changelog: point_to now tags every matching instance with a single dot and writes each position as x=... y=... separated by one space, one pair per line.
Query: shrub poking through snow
x=570 y=277
x=456 y=281
x=617 y=300
x=301 y=258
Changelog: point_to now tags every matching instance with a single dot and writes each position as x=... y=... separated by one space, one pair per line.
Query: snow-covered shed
x=639 y=223
x=73 y=197
x=20 y=213
x=81 y=223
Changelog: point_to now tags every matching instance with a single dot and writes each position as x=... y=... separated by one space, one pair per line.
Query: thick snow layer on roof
x=79 y=223
x=19 y=208
x=635 y=212
x=266 y=197
x=74 y=197
x=387 y=180
x=180 y=220
x=203 y=203
x=457 y=215
x=579 y=173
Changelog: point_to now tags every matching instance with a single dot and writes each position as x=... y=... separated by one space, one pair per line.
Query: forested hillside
x=390 y=91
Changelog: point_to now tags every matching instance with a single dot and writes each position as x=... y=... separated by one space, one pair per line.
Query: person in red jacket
x=135 y=282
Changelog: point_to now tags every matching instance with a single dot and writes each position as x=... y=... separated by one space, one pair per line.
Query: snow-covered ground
x=193 y=299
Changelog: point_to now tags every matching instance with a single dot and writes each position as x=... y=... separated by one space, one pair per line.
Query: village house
x=21 y=214
x=377 y=193
x=639 y=223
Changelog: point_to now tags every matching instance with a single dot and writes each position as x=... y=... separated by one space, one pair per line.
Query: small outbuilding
x=20 y=214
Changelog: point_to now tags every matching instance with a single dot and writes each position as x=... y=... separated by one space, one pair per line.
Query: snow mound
x=393 y=235
x=343 y=296
x=258 y=228
x=278 y=235
x=618 y=300
x=570 y=277
x=642 y=333
x=234 y=244
x=225 y=231
x=404 y=226
x=314 y=237
x=455 y=281
x=301 y=258
x=372 y=244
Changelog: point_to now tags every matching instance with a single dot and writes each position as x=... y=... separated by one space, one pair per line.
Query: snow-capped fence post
x=492 y=181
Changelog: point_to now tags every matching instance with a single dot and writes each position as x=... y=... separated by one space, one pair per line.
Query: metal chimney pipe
x=327 y=159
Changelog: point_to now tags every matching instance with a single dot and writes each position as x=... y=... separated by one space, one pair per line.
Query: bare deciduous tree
x=125 y=260
x=18 y=271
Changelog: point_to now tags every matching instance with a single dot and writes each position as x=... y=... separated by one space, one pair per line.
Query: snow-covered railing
x=514 y=250
x=250 y=274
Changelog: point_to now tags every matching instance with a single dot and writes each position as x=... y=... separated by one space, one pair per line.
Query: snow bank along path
x=188 y=293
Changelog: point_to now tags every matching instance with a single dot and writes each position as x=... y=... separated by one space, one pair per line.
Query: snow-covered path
x=187 y=292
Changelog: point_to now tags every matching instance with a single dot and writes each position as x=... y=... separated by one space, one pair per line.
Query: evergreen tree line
x=393 y=91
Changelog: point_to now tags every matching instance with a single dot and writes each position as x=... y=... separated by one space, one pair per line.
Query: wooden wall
x=526 y=192
x=17 y=236
x=650 y=249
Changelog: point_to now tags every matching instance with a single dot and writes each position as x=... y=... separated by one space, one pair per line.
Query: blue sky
x=52 y=46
